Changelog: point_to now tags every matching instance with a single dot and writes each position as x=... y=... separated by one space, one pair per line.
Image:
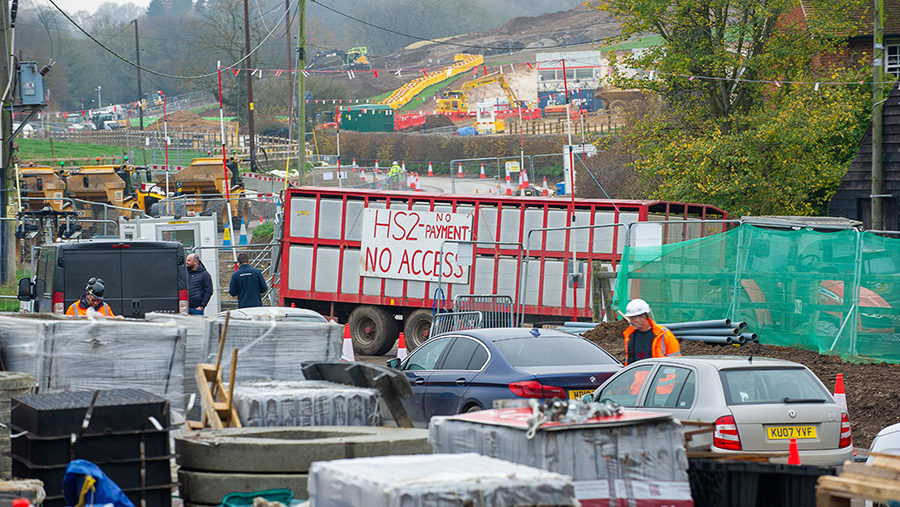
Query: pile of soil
x=871 y=399
x=437 y=120
x=184 y=119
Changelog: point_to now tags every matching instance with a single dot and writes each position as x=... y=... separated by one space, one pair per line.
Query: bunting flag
x=529 y=65
x=278 y=72
x=816 y=88
x=375 y=72
x=423 y=72
x=236 y=71
x=398 y=73
x=305 y=74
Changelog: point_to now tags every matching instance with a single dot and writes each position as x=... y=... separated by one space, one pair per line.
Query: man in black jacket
x=247 y=283
x=200 y=287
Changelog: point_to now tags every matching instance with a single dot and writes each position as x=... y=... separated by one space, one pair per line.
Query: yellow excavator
x=453 y=101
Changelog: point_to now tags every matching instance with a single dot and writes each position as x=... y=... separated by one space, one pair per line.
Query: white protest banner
x=407 y=245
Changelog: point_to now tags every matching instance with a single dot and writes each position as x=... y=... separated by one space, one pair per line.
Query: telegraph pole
x=7 y=170
x=249 y=87
x=877 y=117
x=301 y=90
x=287 y=32
x=137 y=50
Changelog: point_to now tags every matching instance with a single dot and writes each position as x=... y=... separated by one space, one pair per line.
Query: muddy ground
x=872 y=394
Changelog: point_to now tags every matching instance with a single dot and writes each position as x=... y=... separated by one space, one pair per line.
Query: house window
x=547 y=75
x=892 y=59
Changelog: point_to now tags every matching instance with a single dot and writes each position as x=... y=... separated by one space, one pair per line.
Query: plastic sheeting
x=435 y=481
x=642 y=463
x=68 y=354
x=267 y=350
x=306 y=403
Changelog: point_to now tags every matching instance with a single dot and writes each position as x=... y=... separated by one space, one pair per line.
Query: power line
x=150 y=71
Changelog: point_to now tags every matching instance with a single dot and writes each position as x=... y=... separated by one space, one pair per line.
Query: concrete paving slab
x=211 y=487
x=292 y=449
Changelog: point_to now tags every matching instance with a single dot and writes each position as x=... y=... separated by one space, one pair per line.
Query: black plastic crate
x=753 y=484
x=97 y=448
x=156 y=497
x=724 y=483
x=115 y=410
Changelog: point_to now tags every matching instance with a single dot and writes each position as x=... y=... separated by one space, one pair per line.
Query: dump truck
x=41 y=186
x=202 y=184
x=384 y=261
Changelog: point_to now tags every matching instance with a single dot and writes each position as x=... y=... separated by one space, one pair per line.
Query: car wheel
x=372 y=330
x=417 y=328
x=473 y=408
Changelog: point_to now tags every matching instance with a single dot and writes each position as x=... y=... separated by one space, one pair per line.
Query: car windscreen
x=747 y=386
x=552 y=351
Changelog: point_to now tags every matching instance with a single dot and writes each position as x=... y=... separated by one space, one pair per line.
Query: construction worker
x=92 y=299
x=394 y=176
x=645 y=338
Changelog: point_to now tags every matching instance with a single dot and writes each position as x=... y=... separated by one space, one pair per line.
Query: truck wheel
x=373 y=330
x=417 y=328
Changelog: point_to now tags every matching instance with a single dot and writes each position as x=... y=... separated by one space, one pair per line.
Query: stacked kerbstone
x=11 y=384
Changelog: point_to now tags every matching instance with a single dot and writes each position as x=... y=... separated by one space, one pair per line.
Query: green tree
x=741 y=124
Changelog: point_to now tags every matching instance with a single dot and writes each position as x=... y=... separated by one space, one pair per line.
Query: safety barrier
x=455 y=321
x=404 y=121
x=496 y=310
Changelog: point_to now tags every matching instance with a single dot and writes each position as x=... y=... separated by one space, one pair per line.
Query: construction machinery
x=202 y=184
x=41 y=186
x=352 y=59
x=453 y=101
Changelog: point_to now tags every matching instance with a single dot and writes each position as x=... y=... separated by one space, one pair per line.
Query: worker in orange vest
x=92 y=298
x=645 y=338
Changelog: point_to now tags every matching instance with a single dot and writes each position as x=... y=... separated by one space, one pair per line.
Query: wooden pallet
x=879 y=482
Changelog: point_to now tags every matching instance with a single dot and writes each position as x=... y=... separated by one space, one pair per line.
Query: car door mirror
x=25 y=290
x=588 y=398
x=394 y=363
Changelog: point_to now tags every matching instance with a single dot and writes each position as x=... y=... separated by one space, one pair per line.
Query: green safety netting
x=793 y=288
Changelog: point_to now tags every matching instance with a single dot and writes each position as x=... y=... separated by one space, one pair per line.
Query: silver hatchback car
x=756 y=404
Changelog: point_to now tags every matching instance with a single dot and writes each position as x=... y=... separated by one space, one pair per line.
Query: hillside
x=516 y=41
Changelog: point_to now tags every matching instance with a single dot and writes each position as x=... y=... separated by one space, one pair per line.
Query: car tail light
x=58 y=303
x=534 y=389
x=183 y=301
x=846 y=441
x=726 y=434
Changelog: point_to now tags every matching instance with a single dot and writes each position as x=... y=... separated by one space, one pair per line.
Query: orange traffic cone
x=793 y=453
x=430 y=172
x=347 y=351
x=376 y=166
x=460 y=175
x=545 y=192
x=401 y=348
x=839 y=396
x=483 y=176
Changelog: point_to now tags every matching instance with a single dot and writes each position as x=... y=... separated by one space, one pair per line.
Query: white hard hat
x=636 y=307
x=394 y=163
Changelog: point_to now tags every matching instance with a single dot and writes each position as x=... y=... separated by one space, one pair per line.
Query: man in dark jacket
x=200 y=287
x=247 y=283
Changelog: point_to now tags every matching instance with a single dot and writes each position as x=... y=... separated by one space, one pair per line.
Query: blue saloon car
x=465 y=371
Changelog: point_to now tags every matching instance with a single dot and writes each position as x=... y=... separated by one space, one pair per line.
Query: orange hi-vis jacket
x=76 y=310
x=664 y=342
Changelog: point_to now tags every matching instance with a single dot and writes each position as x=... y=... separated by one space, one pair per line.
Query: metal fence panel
x=455 y=321
x=496 y=310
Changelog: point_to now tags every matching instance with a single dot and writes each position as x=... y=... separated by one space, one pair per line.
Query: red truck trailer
x=381 y=260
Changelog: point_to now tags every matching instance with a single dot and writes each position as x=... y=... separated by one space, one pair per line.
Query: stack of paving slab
x=267 y=350
x=11 y=384
x=214 y=463
x=435 y=480
x=66 y=354
x=306 y=403
x=639 y=463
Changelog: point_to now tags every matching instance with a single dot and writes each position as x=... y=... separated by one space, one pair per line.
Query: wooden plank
x=824 y=498
x=885 y=461
x=868 y=489
x=209 y=414
x=864 y=472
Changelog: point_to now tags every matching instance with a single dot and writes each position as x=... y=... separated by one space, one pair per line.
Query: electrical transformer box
x=29 y=85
